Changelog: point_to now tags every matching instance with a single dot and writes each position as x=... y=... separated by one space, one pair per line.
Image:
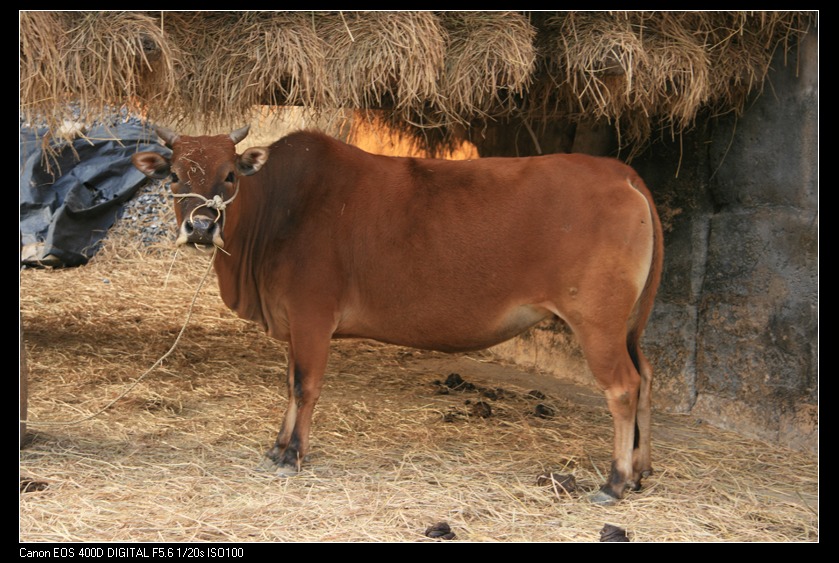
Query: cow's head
x=204 y=173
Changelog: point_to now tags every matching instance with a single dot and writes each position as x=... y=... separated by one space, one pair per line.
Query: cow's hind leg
x=609 y=361
x=642 y=457
x=308 y=356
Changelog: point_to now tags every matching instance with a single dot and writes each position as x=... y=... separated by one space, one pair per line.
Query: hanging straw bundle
x=84 y=65
x=489 y=63
x=379 y=59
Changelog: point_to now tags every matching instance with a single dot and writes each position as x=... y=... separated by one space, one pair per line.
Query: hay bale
x=377 y=59
x=741 y=46
x=643 y=71
x=634 y=70
x=234 y=62
x=595 y=62
x=90 y=63
x=435 y=73
x=490 y=60
x=42 y=81
x=677 y=77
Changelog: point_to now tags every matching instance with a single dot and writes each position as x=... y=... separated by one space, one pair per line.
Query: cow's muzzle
x=200 y=230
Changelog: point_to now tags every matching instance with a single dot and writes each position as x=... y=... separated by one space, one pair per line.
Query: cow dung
x=611 y=533
x=440 y=530
x=566 y=483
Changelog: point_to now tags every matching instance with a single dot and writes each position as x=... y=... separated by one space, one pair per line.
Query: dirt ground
x=394 y=449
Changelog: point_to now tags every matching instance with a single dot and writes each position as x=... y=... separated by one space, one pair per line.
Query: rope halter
x=216 y=203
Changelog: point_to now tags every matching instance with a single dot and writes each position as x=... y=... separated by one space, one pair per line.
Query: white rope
x=216 y=203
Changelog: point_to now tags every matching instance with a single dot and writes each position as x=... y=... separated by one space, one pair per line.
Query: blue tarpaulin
x=66 y=211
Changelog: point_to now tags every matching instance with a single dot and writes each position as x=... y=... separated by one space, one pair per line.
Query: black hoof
x=603 y=498
x=280 y=470
x=282 y=462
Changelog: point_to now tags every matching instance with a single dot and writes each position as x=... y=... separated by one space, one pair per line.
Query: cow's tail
x=644 y=306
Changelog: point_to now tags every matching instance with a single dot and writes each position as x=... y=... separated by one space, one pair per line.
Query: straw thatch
x=383 y=58
x=651 y=71
x=489 y=63
x=395 y=450
x=91 y=62
x=439 y=72
x=233 y=62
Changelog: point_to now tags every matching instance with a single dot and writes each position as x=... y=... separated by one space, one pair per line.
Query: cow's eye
x=175 y=178
x=230 y=178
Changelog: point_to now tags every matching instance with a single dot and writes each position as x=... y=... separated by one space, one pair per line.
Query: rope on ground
x=148 y=371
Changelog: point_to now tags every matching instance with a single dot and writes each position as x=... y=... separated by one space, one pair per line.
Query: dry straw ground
x=175 y=458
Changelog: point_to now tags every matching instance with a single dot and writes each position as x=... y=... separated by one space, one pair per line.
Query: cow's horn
x=240 y=134
x=167 y=135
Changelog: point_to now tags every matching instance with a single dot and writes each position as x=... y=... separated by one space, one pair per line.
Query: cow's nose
x=200 y=230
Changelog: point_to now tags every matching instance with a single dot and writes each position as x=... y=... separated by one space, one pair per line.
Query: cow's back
x=431 y=253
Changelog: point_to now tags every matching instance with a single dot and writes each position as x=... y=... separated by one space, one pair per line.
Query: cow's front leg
x=273 y=456
x=307 y=359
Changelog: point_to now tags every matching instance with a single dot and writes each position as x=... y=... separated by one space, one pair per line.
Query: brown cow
x=323 y=240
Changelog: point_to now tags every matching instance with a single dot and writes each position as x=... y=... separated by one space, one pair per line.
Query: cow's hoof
x=268 y=464
x=271 y=464
x=285 y=471
x=602 y=498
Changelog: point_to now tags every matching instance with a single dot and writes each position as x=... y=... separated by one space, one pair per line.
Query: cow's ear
x=251 y=160
x=152 y=164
